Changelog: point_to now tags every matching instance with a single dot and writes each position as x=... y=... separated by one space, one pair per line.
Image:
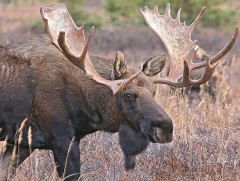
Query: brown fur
x=60 y=102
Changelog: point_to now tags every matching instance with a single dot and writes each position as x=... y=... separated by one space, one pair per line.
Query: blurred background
x=207 y=135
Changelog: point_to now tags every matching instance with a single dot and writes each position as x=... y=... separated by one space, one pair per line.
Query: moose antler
x=70 y=40
x=176 y=37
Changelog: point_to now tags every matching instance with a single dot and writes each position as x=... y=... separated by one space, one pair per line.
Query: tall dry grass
x=206 y=142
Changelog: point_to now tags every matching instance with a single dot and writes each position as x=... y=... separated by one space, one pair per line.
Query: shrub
x=126 y=13
x=77 y=9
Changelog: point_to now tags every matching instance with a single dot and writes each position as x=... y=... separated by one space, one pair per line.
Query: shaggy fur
x=38 y=83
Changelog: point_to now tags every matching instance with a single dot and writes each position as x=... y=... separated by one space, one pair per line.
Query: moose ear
x=154 y=65
x=119 y=66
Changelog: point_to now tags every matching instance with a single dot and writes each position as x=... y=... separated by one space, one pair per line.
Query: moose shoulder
x=53 y=87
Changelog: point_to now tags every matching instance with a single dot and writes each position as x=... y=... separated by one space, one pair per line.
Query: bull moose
x=53 y=92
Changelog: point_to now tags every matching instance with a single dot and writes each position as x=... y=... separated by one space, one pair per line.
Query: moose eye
x=130 y=96
x=154 y=93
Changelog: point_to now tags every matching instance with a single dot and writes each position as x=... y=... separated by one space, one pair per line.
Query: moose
x=53 y=92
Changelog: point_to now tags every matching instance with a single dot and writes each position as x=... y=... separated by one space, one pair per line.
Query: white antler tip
x=196 y=48
x=91 y=31
x=145 y=8
x=82 y=26
x=168 y=9
x=178 y=15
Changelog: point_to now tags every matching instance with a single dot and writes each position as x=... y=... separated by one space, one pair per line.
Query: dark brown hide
x=37 y=82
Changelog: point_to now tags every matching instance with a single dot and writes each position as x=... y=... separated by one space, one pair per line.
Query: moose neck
x=93 y=105
x=100 y=100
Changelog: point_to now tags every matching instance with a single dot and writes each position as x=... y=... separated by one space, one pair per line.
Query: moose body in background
x=53 y=93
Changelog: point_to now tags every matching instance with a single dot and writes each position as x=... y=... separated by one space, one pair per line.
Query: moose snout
x=158 y=131
x=164 y=132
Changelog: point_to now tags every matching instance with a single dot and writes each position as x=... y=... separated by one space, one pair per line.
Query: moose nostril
x=165 y=124
x=161 y=135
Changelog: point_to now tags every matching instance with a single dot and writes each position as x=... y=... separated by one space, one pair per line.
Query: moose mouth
x=158 y=135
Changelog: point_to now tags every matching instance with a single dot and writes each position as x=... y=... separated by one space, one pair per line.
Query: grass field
x=206 y=143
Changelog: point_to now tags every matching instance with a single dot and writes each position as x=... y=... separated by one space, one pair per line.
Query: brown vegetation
x=206 y=142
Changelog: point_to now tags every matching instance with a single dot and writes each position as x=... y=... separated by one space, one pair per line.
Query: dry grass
x=206 y=142
x=206 y=147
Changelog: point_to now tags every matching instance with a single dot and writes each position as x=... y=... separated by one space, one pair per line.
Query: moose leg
x=67 y=158
x=59 y=131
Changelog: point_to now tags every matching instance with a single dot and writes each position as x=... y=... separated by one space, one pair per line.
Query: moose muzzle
x=158 y=130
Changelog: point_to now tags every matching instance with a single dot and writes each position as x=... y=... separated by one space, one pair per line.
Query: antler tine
x=186 y=73
x=146 y=8
x=198 y=19
x=179 y=15
x=206 y=75
x=176 y=37
x=186 y=80
x=168 y=10
x=155 y=9
x=70 y=40
x=85 y=50
x=65 y=50
x=81 y=31
x=220 y=54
